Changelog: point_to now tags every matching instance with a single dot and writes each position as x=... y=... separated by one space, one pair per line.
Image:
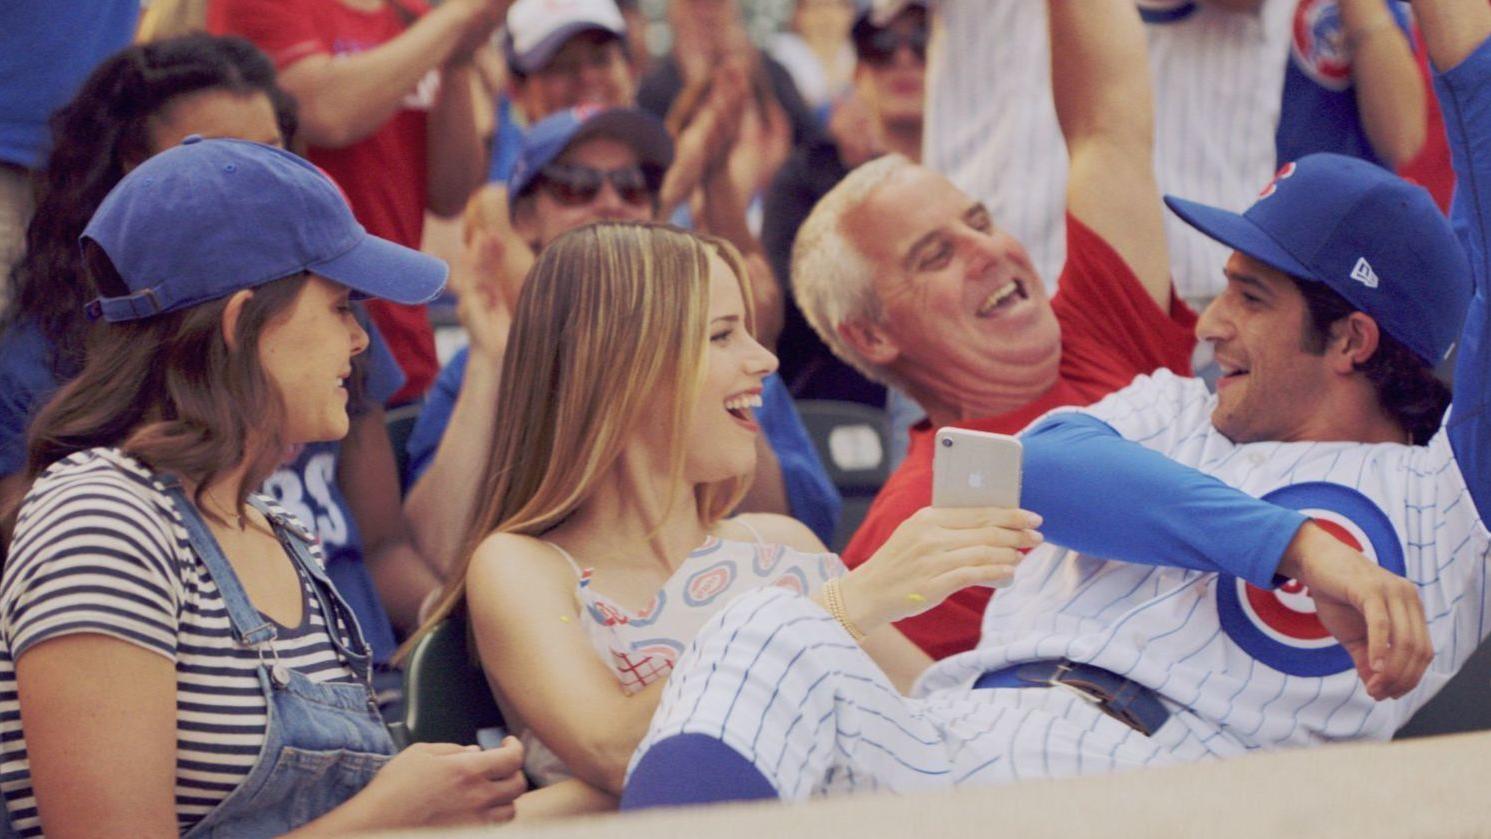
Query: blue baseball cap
x=1374 y=238
x=548 y=139
x=210 y=217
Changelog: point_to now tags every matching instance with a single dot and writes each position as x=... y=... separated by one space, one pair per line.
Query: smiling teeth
x=993 y=300
x=743 y=402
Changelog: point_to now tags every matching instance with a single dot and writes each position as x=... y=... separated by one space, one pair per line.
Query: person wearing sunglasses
x=882 y=113
x=579 y=166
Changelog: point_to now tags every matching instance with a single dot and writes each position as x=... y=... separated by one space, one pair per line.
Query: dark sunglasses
x=574 y=186
x=880 y=48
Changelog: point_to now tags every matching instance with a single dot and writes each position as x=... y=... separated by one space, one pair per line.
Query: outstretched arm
x=1101 y=88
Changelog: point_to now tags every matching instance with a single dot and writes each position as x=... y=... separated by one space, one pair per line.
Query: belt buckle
x=1091 y=697
x=1094 y=695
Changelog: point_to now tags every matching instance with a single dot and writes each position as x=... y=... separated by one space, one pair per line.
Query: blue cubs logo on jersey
x=1279 y=627
x=1319 y=44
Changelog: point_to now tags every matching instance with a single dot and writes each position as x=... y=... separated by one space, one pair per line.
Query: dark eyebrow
x=1248 y=280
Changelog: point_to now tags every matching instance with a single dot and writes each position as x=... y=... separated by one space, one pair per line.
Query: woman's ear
x=231 y=314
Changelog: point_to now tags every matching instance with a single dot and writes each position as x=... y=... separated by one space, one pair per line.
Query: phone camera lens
x=947 y=442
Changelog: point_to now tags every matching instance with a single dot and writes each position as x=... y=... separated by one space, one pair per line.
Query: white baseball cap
x=536 y=29
x=882 y=12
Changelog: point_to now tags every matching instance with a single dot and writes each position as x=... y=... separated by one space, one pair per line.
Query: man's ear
x=231 y=315
x=1354 y=340
x=870 y=341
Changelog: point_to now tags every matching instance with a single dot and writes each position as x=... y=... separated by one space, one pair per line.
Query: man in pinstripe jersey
x=1189 y=614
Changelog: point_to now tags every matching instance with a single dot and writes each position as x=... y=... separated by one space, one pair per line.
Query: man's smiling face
x=1271 y=383
x=959 y=297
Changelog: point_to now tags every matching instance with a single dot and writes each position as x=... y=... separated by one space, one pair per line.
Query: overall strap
x=297 y=541
x=250 y=628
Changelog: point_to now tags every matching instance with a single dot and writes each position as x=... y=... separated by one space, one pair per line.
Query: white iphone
x=975 y=469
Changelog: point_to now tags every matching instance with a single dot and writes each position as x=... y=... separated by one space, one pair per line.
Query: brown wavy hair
x=171 y=392
x=612 y=317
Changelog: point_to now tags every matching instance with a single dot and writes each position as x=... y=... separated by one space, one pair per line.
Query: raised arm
x=1389 y=90
x=1101 y=87
x=1457 y=32
x=345 y=98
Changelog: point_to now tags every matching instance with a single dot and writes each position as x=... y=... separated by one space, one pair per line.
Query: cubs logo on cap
x=1273 y=185
x=1319 y=46
x=1279 y=627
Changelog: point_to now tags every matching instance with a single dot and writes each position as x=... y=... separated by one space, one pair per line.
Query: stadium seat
x=854 y=441
x=446 y=696
x=1463 y=704
x=400 y=423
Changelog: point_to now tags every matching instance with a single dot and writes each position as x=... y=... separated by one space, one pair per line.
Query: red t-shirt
x=383 y=175
x=1111 y=331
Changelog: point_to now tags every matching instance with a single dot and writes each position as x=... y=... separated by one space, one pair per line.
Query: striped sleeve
x=92 y=555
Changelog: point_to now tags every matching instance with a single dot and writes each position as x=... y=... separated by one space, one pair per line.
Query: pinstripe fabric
x=777 y=680
x=991 y=127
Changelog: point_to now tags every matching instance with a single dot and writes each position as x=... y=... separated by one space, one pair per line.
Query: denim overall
x=322 y=742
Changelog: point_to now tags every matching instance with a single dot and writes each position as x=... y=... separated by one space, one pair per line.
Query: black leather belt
x=1127 y=701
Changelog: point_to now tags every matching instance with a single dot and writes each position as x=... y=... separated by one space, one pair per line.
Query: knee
x=692 y=769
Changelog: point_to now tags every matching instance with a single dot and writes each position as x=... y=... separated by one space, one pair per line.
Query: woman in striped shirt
x=173 y=658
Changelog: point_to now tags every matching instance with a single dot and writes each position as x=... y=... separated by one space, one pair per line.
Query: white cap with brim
x=536 y=29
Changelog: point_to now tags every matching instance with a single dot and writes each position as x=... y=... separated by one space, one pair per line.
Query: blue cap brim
x=379 y=268
x=1237 y=232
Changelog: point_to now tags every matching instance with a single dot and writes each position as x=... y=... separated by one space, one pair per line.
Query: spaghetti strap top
x=641 y=647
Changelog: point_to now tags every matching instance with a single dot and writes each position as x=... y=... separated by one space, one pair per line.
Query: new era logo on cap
x=1363 y=273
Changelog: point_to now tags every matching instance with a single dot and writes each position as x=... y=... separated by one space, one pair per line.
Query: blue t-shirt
x=811 y=496
x=306 y=487
x=1319 y=112
x=26 y=382
x=47 y=49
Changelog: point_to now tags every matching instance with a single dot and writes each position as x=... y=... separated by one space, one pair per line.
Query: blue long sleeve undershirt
x=1105 y=496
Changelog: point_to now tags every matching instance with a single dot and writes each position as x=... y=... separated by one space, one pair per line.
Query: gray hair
x=833 y=280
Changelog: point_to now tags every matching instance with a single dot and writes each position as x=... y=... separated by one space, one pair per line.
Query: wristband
x=835 y=600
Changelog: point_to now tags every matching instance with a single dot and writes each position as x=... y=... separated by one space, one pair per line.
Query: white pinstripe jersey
x=991 y=127
x=1256 y=663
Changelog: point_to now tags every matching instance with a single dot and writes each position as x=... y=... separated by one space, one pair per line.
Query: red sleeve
x=286 y=30
x=1111 y=329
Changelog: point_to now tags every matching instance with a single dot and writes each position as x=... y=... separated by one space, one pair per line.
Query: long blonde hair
x=611 y=316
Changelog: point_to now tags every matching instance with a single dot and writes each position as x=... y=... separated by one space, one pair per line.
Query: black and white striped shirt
x=100 y=549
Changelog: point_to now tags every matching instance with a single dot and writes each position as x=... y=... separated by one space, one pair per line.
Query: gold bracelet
x=835 y=599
